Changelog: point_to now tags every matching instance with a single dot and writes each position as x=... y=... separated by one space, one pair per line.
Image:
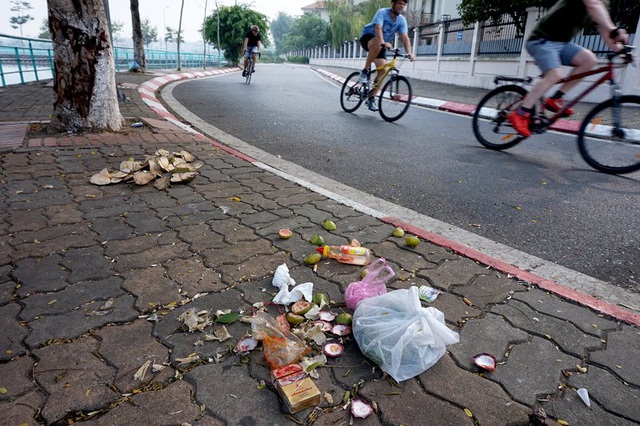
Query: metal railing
x=25 y=59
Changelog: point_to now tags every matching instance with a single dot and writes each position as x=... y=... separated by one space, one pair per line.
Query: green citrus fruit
x=398 y=232
x=312 y=259
x=412 y=241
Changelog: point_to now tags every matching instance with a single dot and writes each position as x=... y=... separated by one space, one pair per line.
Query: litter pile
x=163 y=167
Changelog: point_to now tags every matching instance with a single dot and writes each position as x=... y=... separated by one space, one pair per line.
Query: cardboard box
x=296 y=389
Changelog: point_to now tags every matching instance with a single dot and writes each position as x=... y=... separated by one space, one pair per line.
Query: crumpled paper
x=283 y=280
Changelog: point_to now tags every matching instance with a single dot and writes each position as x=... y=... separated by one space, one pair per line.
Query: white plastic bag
x=398 y=334
x=283 y=280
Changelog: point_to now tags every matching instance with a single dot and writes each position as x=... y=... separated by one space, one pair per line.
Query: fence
x=25 y=59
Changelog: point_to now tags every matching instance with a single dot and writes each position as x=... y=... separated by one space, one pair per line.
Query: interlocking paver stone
x=533 y=369
x=74 y=323
x=491 y=334
x=40 y=274
x=621 y=353
x=457 y=271
x=13 y=332
x=22 y=410
x=488 y=402
x=73 y=377
x=570 y=338
x=609 y=391
x=15 y=377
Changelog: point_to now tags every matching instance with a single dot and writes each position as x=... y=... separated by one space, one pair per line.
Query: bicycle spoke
x=490 y=123
x=609 y=138
x=395 y=98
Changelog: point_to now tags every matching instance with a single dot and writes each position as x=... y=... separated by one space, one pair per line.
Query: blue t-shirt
x=389 y=28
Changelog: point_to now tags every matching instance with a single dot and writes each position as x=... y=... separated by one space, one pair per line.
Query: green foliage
x=493 y=10
x=22 y=17
x=347 y=21
x=308 y=31
x=149 y=33
x=298 y=59
x=116 y=28
x=44 y=30
x=280 y=27
x=170 y=35
x=235 y=21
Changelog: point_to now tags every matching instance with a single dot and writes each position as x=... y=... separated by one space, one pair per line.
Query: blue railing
x=26 y=59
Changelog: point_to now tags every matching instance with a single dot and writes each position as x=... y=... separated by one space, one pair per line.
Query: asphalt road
x=539 y=197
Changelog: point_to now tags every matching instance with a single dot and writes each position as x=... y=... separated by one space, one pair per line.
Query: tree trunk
x=84 y=77
x=138 y=40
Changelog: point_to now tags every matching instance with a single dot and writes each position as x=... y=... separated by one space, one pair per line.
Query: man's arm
x=407 y=46
x=246 y=42
x=600 y=15
x=379 y=36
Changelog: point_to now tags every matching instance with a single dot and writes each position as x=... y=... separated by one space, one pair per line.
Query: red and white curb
x=387 y=212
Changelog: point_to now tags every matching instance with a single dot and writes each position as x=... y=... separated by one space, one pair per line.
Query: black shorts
x=364 y=42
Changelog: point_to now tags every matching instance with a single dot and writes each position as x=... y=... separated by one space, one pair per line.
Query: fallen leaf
x=468 y=413
x=103 y=177
x=3 y=390
x=228 y=318
x=142 y=371
x=143 y=177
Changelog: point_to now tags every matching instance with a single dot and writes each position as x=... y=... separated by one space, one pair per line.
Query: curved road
x=539 y=197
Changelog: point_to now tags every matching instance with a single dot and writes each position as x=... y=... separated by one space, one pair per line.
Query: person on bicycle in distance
x=252 y=46
x=551 y=47
x=376 y=37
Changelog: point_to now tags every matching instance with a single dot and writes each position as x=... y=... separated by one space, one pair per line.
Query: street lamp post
x=164 y=21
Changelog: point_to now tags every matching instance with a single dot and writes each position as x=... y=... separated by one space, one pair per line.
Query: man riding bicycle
x=551 y=47
x=376 y=38
x=252 y=46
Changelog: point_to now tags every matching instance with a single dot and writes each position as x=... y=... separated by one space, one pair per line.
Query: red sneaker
x=520 y=123
x=555 y=105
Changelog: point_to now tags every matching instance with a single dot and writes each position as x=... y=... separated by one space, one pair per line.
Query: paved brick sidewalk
x=94 y=279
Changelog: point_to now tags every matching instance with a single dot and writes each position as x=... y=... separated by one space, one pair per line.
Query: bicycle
x=608 y=136
x=251 y=63
x=394 y=99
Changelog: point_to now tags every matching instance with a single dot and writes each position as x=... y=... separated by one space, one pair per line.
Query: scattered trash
x=485 y=361
x=412 y=241
x=373 y=283
x=360 y=409
x=142 y=371
x=428 y=294
x=400 y=335
x=333 y=349
x=281 y=347
x=296 y=389
x=137 y=124
x=246 y=344
x=195 y=321
x=326 y=316
x=285 y=234
x=353 y=255
x=341 y=330
x=584 y=396
x=329 y=225
x=283 y=280
x=398 y=232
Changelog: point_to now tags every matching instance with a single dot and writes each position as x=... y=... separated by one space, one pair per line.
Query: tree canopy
x=307 y=31
x=22 y=17
x=280 y=27
x=149 y=32
x=235 y=22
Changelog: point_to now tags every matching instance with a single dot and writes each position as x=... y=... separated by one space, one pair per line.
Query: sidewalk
x=94 y=279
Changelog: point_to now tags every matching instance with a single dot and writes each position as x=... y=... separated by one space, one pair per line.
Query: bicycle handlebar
x=397 y=52
x=625 y=53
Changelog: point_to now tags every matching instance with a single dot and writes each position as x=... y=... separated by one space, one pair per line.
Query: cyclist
x=252 y=46
x=376 y=37
x=551 y=47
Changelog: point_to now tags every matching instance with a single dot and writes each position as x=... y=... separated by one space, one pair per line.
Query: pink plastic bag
x=373 y=284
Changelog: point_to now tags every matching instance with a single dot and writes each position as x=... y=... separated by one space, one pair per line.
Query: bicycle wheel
x=490 y=125
x=607 y=147
x=395 y=98
x=249 y=72
x=351 y=94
